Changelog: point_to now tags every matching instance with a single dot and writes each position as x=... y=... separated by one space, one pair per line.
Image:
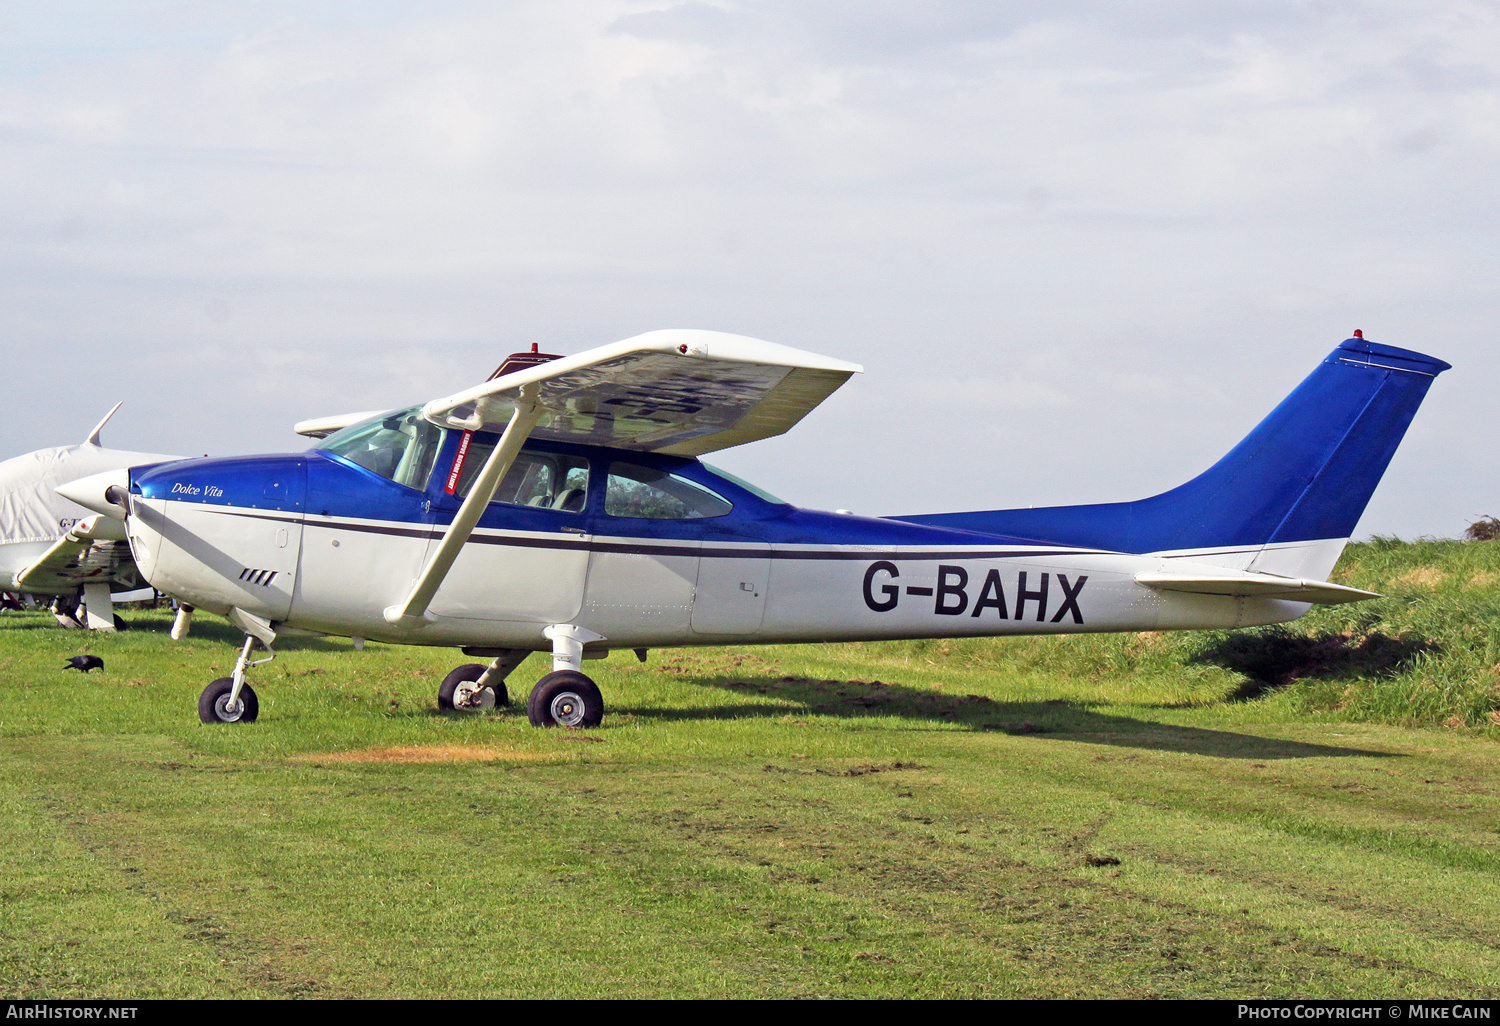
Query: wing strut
x=413 y=612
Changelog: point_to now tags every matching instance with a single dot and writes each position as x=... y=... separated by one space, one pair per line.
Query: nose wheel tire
x=213 y=704
x=457 y=693
x=565 y=698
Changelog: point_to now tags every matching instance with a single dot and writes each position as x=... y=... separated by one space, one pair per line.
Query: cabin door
x=731 y=595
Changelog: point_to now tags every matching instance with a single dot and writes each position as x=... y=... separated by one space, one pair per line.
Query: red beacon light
x=1357 y=334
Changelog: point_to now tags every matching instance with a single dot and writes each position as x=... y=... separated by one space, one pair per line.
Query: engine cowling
x=221 y=533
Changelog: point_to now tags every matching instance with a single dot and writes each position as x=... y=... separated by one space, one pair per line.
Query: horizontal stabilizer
x=1245 y=585
x=322 y=427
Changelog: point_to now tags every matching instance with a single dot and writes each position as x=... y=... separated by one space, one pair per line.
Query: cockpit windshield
x=400 y=446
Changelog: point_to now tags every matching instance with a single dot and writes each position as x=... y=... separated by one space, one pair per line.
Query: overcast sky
x=1080 y=247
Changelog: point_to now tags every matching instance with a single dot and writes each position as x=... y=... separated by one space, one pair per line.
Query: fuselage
x=644 y=549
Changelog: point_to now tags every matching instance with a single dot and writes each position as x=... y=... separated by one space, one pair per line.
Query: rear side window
x=646 y=493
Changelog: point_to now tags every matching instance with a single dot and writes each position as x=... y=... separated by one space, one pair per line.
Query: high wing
x=679 y=391
x=1257 y=585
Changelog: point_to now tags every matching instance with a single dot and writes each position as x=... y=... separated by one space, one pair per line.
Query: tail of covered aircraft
x=1284 y=500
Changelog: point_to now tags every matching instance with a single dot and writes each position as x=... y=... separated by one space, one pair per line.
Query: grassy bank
x=1427 y=654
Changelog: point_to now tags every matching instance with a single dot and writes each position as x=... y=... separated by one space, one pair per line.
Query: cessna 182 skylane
x=562 y=506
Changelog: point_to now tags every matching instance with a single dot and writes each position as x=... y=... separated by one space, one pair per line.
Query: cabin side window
x=399 y=446
x=645 y=493
x=542 y=480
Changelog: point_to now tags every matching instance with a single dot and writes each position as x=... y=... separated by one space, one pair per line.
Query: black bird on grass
x=85 y=663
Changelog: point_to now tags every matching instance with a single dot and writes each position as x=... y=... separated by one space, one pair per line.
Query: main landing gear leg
x=230 y=699
x=565 y=697
x=99 y=610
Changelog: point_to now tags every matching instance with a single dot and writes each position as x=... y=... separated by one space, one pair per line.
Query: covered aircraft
x=54 y=548
x=562 y=507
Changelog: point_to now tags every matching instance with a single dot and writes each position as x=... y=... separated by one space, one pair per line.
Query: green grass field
x=1304 y=811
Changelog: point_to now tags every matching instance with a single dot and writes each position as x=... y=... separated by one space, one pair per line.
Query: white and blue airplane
x=561 y=506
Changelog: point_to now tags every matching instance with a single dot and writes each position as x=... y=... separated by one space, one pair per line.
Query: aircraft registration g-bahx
x=561 y=507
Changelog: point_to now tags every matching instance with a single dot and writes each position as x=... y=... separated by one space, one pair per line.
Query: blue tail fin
x=1305 y=473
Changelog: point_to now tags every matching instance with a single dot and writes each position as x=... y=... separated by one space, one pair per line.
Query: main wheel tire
x=457 y=693
x=213 y=703
x=120 y=624
x=565 y=698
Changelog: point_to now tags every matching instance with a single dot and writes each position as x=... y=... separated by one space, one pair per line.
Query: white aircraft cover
x=678 y=391
x=30 y=508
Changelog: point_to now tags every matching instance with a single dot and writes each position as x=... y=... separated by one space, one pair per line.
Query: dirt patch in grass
x=427 y=753
x=1421 y=577
x=853 y=771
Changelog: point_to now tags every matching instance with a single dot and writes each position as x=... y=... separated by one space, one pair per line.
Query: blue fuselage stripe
x=708 y=551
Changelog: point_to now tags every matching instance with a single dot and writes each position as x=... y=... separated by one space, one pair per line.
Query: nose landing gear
x=230 y=699
x=216 y=705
